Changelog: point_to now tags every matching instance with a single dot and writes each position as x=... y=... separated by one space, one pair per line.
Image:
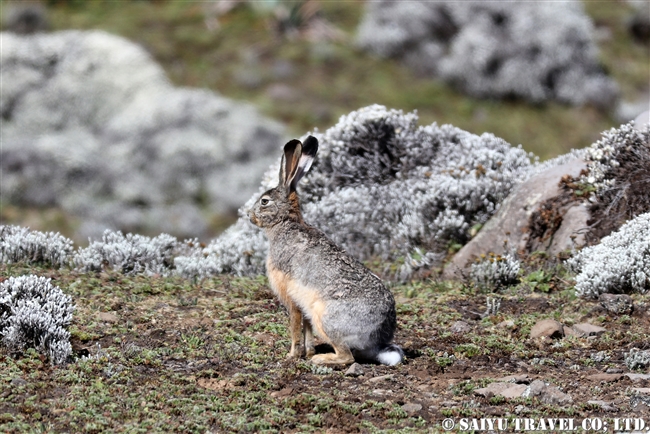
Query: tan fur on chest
x=278 y=281
x=290 y=291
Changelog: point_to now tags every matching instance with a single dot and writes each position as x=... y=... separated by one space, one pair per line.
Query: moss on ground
x=157 y=354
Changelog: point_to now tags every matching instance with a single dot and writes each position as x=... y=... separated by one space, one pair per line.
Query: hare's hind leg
x=295 y=329
x=342 y=356
x=308 y=337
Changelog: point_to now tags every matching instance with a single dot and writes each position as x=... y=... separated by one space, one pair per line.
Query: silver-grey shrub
x=129 y=254
x=619 y=264
x=495 y=271
x=637 y=359
x=533 y=50
x=34 y=313
x=382 y=186
x=91 y=124
x=20 y=244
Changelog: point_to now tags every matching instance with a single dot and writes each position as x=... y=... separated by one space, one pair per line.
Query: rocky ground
x=158 y=355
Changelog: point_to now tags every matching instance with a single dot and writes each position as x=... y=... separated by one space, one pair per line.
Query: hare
x=323 y=288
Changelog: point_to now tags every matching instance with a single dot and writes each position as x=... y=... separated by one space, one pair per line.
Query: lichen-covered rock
x=510 y=228
x=34 y=314
x=90 y=123
x=533 y=50
x=382 y=186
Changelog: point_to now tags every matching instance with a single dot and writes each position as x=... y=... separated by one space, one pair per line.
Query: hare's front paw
x=332 y=359
x=296 y=352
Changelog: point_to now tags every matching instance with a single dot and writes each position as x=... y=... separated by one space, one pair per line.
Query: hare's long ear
x=289 y=165
x=309 y=149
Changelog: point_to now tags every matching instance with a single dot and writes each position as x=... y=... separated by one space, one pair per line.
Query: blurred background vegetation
x=260 y=52
x=250 y=53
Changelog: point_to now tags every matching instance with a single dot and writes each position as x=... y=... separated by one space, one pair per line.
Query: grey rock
x=507 y=390
x=107 y=317
x=411 y=408
x=547 y=394
x=641 y=120
x=606 y=378
x=638 y=377
x=640 y=403
x=381 y=378
x=568 y=331
x=586 y=329
x=604 y=405
x=355 y=370
x=519 y=379
x=18 y=382
x=460 y=327
x=511 y=223
x=506 y=324
x=547 y=328
x=617 y=304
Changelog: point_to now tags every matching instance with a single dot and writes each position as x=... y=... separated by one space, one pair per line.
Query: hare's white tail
x=391 y=355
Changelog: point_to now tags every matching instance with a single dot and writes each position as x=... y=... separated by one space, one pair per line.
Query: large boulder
x=90 y=123
x=538 y=215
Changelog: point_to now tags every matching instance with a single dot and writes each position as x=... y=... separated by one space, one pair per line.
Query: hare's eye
x=264 y=201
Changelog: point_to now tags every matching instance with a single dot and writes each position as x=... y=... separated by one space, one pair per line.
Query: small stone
x=381 y=378
x=568 y=331
x=18 y=382
x=287 y=391
x=514 y=391
x=492 y=389
x=617 y=304
x=614 y=371
x=642 y=390
x=355 y=370
x=535 y=389
x=547 y=394
x=107 y=317
x=638 y=377
x=607 y=378
x=507 y=390
x=586 y=329
x=411 y=408
x=606 y=406
x=640 y=403
x=522 y=378
x=507 y=324
x=460 y=327
x=382 y=392
x=548 y=328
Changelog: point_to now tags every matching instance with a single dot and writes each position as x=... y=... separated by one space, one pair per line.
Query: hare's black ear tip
x=291 y=145
x=310 y=146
